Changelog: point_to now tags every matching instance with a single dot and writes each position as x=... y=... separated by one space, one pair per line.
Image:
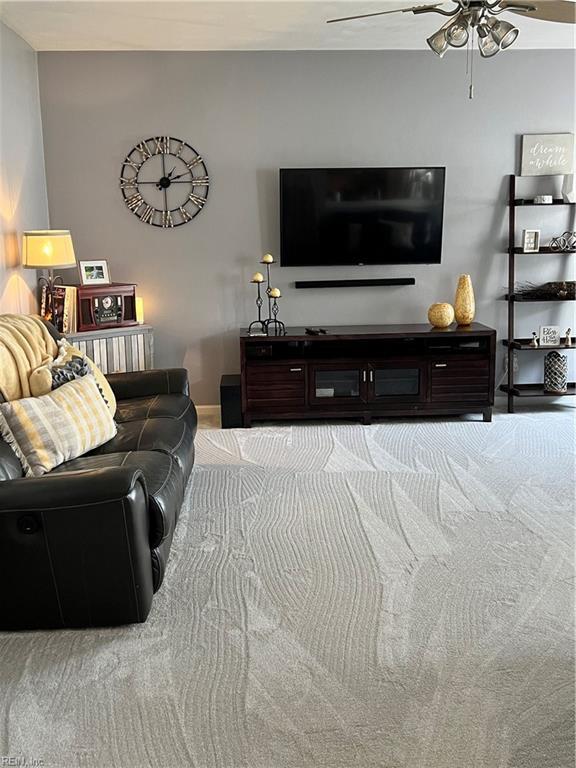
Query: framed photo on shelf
x=94 y=272
x=549 y=336
x=531 y=240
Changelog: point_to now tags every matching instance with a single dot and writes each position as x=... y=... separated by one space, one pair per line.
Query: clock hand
x=158 y=184
x=164 y=176
x=180 y=175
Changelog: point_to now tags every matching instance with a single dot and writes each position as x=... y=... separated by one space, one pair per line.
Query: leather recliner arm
x=169 y=381
x=74 y=550
x=66 y=489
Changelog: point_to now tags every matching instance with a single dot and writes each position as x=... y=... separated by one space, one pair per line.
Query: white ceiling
x=191 y=25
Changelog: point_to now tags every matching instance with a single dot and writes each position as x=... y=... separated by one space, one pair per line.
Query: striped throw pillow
x=47 y=431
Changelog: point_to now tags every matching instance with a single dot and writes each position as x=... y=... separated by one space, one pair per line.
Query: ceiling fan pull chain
x=471 y=88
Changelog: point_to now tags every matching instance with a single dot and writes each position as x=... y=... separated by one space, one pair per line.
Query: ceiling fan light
x=438 y=42
x=504 y=33
x=457 y=32
x=488 y=46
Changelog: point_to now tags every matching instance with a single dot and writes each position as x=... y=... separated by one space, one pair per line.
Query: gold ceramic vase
x=464 y=305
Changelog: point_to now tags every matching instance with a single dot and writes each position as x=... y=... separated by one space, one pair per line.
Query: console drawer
x=274 y=373
x=459 y=365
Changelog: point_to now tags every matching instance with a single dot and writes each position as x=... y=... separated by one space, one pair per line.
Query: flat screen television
x=343 y=216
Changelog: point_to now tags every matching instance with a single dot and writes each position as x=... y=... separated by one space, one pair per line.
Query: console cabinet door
x=403 y=381
x=276 y=387
x=337 y=383
x=460 y=379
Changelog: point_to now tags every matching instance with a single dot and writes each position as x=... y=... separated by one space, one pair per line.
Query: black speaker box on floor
x=230 y=401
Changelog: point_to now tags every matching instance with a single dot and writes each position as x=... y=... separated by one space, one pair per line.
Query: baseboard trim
x=208 y=410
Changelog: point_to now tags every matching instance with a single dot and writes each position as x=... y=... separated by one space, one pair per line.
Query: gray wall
x=251 y=113
x=23 y=201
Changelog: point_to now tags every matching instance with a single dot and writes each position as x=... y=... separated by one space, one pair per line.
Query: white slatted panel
x=134 y=341
x=117 y=353
x=116 y=367
x=103 y=356
x=122 y=341
x=96 y=355
x=141 y=359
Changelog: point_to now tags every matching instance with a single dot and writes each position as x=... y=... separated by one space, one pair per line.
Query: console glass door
x=400 y=382
x=339 y=383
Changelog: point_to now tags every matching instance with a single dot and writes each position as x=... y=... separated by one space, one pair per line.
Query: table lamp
x=48 y=249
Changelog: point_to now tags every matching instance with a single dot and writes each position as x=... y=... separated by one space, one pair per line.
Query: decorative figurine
x=568 y=339
x=565 y=242
x=260 y=325
x=273 y=322
x=534 y=342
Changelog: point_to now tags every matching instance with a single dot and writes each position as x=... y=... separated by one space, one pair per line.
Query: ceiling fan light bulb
x=457 y=31
x=457 y=36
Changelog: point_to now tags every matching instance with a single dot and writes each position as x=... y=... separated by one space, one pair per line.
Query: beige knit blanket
x=25 y=344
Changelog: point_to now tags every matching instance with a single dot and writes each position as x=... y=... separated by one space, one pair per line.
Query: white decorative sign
x=547 y=154
x=549 y=336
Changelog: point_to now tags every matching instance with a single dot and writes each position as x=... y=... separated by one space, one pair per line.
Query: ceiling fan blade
x=562 y=11
x=383 y=13
x=518 y=7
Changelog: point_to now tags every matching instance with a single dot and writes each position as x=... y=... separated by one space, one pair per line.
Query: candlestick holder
x=268 y=259
x=260 y=324
x=273 y=324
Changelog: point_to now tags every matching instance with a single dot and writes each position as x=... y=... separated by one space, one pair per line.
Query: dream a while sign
x=547 y=154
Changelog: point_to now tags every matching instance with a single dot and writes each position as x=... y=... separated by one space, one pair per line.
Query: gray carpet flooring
x=392 y=596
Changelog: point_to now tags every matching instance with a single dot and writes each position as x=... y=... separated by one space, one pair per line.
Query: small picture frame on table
x=531 y=240
x=549 y=336
x=94 y=272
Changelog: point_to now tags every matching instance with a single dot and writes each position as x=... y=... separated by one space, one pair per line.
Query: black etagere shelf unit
x=513 y=344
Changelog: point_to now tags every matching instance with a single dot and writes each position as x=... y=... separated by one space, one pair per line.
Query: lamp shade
x=504 y=33
x=488 y=46
x=438 y=42
x=48 y=249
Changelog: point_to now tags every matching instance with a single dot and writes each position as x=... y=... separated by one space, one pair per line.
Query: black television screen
x=339 y=216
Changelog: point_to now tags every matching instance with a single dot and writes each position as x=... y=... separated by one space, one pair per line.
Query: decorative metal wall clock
x=164 y=182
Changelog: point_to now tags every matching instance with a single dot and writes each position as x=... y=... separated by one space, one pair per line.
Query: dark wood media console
x=368 y=371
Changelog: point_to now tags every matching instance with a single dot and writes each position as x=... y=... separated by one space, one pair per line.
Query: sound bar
x=354 y=283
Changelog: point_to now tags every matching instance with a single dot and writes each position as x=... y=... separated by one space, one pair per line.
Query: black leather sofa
x=87 y=544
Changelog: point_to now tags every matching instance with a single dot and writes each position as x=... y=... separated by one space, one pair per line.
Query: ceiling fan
x=470 y=18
